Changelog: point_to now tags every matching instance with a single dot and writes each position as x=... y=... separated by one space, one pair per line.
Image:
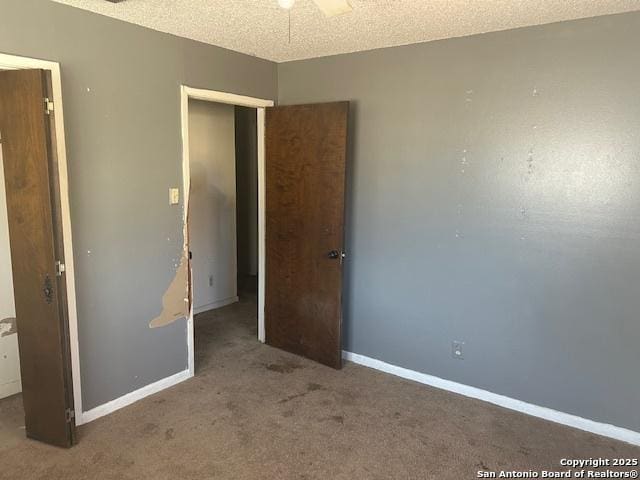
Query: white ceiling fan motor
x=330 y=8
x=286 y=4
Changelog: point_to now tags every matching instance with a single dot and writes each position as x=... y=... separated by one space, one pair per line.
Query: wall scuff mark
x=8 y=327
x=175 y=301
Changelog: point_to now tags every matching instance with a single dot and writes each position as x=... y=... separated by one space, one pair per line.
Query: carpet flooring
x=254 y=412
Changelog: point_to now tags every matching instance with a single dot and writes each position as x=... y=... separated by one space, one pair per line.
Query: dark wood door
x=306 y=148
x=30 y=171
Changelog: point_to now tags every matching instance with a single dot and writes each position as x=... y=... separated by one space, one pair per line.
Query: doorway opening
x=223 y=221
x=223 y=172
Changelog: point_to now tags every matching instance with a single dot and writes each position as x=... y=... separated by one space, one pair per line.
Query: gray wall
x=121 y=93
x=494 y=199
x=247 y=190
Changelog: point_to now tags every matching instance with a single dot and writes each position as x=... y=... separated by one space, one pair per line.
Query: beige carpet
x=253 y=412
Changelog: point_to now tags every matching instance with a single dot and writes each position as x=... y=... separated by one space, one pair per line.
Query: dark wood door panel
x=40 y=309
x=305 y=179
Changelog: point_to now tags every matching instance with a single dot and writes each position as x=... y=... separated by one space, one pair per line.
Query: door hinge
x=48 y=106
x=60 y=268
x=69 y=415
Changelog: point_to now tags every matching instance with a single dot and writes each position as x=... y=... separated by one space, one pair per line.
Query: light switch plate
x=174 y=196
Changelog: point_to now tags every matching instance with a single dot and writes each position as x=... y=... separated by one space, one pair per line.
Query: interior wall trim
x=136 y=395
x=217 y=304
x=10 y=388
x=260 y=104
x=604 y=429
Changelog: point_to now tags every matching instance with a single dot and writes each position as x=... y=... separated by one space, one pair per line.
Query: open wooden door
x=305 y=148
x=33 y=207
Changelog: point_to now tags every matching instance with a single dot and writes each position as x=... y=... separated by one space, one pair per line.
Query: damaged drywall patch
x=8 y=327
x=175 y=301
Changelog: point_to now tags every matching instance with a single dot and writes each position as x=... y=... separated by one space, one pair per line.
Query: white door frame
x=12 y=62
x=260 y=105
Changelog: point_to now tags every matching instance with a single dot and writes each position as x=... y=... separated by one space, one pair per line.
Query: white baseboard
x=10 y=388
x=132 y=397
x=574 y=421
x=217 y=304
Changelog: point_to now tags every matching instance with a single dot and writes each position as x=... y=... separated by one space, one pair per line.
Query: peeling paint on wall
x=8 y=327
x=175 y=301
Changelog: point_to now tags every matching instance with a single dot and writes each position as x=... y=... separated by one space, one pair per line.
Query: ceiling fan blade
x=331 y=8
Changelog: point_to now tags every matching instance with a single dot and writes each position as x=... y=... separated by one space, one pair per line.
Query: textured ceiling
x=261 y=28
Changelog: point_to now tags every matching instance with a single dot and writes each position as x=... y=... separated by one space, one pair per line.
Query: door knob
x=334 y=254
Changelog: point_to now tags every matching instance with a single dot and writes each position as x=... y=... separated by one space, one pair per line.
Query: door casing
x=12 y=62
x=260 y=105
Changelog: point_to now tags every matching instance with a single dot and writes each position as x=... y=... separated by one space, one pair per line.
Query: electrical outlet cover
x=457 y=349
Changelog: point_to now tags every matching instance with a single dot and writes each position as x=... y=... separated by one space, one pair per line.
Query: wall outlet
x=211 y=280
x=457 y=349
